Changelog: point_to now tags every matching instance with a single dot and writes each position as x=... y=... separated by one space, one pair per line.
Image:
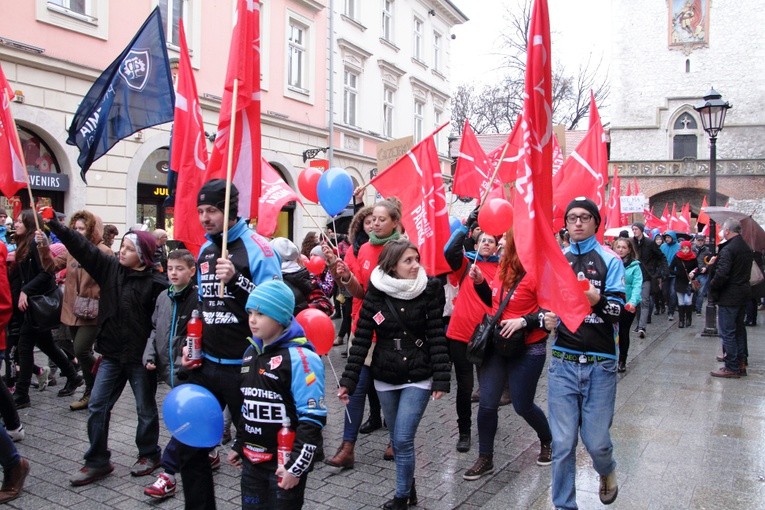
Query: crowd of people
x=124 y=319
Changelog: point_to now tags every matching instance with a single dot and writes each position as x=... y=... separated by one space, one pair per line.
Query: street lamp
x=712 y=110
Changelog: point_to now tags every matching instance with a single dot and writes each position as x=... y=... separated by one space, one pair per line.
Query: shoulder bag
x=85 y=308
x=486 y=336
x=44 y=310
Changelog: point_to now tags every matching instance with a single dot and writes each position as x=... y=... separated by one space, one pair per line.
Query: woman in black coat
x=404 y=309
x=31 y=274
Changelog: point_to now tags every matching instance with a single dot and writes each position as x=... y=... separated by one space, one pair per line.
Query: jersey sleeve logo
x=275 y=362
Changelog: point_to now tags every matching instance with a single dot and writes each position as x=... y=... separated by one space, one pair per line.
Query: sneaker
x=52 y=381
x=42 y=378
x=698 y=314
x=72 y=383
x=483 y=466
x=463 y=443
x=17 y=434
x=724 y=372
x=163 y=488
x=608 y=488
x=144 y=466
x=720 y=359
x=641 y=333
x=87 y=475
x=79 y=405
x=671 y=317
x=214 y=457
x=621 y=367
x=545 y=455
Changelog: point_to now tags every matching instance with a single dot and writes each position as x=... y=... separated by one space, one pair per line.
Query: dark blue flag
x=135 y=92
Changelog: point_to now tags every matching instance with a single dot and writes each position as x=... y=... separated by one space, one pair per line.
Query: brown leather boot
x=344 y=456
x=13 y=481
x=389 y=455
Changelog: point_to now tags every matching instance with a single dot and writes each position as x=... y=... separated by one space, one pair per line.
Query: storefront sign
x=48 y=181
x=160 y=191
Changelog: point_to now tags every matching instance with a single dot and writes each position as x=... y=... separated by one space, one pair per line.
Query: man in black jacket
x=654 y=266
x=730 y=289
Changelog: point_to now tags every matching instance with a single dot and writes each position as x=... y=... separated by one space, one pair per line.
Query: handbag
x=84 y=307
x=486 y=336
x=44 y=310
x=756 y=277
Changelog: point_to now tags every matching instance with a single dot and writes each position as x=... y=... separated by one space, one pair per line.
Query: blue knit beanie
x=274 y=299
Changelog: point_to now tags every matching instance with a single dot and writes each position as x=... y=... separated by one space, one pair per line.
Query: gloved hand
x=472 y=218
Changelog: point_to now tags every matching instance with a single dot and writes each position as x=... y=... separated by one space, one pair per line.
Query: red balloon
x=318 y=329
x=316 y=265
x=496 y=216
x=307 y=182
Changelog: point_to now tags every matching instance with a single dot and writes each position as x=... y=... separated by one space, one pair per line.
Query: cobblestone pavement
x=683 y=440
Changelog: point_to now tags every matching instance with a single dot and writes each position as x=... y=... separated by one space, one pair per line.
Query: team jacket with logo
x=285 y=380
x=599 y=333
x=225 y=320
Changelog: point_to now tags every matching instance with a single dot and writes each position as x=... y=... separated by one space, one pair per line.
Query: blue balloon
x=454 y=224
x=335 y=189
x=193 y=416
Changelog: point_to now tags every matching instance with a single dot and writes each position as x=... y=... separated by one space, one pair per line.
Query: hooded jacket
x=283 y=380
x=670 y=249
x=308 y=293
x=127 y=297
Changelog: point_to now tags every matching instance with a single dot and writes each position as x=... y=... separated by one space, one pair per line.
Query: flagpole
x=23 y=163
x=229 y=172
x=494 y=175
x=321 y=230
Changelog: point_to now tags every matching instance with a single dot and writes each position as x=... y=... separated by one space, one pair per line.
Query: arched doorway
x=152 y=192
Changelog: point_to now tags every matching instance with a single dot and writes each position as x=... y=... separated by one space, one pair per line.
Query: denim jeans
x=355 y=407
x=9 y=455
x=522 y=374
x=730 y=324
x=580 y=401
x=107 y=388
x=463 y=369
x=403 y=410
x=645 y=307
x=668 y=289
x=261 y=492
x=701 y=293
x=8 y=409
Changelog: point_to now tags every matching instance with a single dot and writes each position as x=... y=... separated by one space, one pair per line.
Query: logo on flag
x=135 y=69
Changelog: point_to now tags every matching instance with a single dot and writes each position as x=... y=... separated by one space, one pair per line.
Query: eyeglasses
x=584 y=218
x=487 y=240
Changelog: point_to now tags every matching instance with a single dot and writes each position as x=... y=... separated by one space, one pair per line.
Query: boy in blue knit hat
x=282 y=382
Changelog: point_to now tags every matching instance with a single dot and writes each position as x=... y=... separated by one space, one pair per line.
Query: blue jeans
x=522 y=374
x=355 y=407
x=9 y=456
x=730 y=324
x=403 y=410
x=107 y=388
x=580 y=401
x=668 y=288
x=261 y=492
x=702 y=292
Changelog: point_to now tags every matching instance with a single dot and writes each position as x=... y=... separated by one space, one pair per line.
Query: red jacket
x=523 y=302
x=468 y=307
x=6 y=303
x=361 y=266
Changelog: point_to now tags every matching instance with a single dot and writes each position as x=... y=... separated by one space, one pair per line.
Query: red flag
x=243 y=66
x=665 y=218
x=274 y=194
x=473 y=171
x=614 y=209
x=509 y=165
x=12 y=175
x=674 y=221
x=703 y=216
x=585 y=172
x=685 y=218
x=188 y=156
x=627 y=193
x=557 y=158
x=651 y=221
x=415 y=179
x=635 y=187
x=557 y=288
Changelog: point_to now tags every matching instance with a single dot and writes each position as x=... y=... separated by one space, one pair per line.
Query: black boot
x=681 y=316
x=396 y=504
x=413 y=495
x=688 y=316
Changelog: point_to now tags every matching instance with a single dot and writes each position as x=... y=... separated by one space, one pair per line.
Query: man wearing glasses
x=582 y=372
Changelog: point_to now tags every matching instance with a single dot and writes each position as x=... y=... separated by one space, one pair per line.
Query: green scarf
x=379 y=241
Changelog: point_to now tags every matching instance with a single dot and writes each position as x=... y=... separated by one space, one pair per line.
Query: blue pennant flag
x=135 y=92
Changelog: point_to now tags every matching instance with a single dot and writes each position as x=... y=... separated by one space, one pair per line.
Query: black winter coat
x=681 y=269
x=423 y=316
x=732 y=270
x=127 y=297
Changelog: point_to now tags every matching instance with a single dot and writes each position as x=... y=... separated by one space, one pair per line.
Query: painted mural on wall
x=688 y=23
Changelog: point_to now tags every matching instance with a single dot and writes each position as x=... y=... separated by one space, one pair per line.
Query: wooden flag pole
x=321 y=230
x=494 y=176
x=229 y=174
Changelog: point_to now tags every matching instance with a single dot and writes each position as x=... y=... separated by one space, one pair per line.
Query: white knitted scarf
x=397 y=287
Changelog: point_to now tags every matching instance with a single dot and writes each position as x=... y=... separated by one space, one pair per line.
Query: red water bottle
x=284 y=442
x=584 y=283
x=194 y=339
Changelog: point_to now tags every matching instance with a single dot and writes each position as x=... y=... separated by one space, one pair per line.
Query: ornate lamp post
x=712 y=110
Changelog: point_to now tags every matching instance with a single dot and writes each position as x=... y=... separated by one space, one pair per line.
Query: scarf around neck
x=378 y=241
x=397 y=287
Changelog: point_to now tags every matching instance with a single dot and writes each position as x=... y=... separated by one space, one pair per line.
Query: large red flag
x=243 y=66
x=703 y=216
x=685 y=218
x=614 y=208
x=665 y=217
x=557 y=157
x=627 y=193
x=274 y=194
x=12 y=175
x=674 y=221
x=635 y=186
x=508 y=167
x=188 y=156
x=651 y=221
x=415 y=179
x=585 y=172
x=557 y=288
x=473 y=171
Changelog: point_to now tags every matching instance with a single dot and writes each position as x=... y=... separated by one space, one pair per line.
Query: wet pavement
x=683 y=440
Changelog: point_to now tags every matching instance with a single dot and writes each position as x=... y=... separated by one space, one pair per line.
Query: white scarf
x=398 y=287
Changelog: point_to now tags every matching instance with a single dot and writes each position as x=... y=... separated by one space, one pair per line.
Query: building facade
x=53 y=50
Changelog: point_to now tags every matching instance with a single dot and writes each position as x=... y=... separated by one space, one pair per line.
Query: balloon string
x=338 y=385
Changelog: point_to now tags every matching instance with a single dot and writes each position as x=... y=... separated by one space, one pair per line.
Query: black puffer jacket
x=127 y=297
x=423 y=317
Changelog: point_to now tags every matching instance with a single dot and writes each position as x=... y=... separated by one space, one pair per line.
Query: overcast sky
x=580 y=28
